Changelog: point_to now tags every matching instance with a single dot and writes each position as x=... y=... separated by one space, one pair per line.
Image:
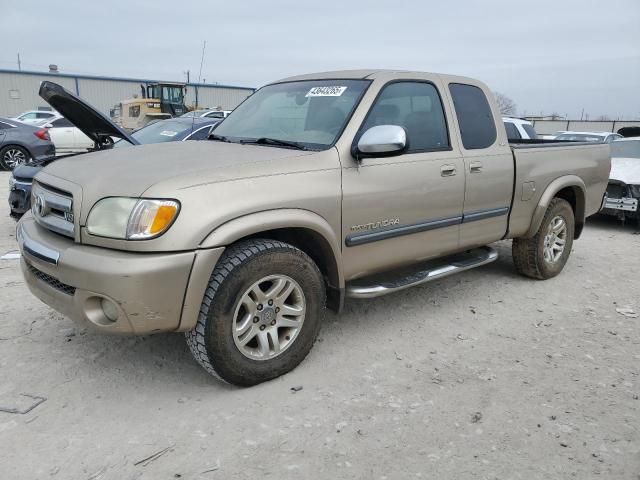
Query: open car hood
x=90 y=121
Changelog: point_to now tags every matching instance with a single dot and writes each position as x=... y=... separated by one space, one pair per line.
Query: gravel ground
x=482 y=375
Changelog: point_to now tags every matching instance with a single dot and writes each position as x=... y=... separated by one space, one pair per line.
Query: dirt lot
x=483 y=375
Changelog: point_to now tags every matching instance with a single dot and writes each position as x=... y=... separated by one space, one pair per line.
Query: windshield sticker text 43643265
x=326 y=91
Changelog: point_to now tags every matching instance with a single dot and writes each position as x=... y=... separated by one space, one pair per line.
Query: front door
x=401 y=209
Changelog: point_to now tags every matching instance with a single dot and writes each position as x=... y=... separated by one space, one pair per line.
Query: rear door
x=402 y=209
x=488 y=164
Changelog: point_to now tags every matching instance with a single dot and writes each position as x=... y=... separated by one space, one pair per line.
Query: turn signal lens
x=150 y=218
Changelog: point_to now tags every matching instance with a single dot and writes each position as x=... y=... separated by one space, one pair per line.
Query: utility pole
x=187 y=72
x=19 y=64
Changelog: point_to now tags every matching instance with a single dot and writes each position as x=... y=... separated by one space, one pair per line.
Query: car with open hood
x=95 y=127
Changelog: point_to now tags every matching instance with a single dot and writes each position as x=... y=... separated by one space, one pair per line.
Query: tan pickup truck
x=316 y=188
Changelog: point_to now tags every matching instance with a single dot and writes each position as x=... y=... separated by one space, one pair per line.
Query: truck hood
x=90 y=121
x=626 y=170
x=171 y=167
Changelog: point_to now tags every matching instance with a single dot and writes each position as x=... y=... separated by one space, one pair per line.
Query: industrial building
x=19 y=91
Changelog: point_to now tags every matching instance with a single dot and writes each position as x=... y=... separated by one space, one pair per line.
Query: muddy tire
x=545 y=254
x=261 y=312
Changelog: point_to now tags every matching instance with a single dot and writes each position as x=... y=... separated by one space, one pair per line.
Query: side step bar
x=382 y=284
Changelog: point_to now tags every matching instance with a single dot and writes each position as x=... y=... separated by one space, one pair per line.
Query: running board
x=390 y=282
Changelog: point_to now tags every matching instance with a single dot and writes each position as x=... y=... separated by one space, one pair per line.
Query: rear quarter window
x=477 y=125
x=512 y=131
x=530 y=131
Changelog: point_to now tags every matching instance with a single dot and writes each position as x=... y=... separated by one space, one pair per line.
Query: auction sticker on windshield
x=325 y=92
x=168 y=133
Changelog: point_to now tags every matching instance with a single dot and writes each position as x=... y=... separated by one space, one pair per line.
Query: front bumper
x=152 y=292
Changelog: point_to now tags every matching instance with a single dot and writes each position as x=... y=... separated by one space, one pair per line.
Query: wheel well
x=575 y=197
x=317 y=247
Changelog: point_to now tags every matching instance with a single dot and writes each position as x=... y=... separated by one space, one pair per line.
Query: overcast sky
x=548 y=56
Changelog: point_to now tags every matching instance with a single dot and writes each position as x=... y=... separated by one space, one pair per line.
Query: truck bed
x=538 y=163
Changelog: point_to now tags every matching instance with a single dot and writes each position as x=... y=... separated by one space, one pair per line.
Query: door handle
x=447 y=170
x=475 y=167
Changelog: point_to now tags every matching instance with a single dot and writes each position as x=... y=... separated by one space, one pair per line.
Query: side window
x=477 y=126
x=62 y=123
x=512 y=131
x=201 y=134
x=417 y=107
x=43 y=115
x=215 y=115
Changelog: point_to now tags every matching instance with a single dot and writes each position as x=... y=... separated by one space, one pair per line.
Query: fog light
x=109 y=309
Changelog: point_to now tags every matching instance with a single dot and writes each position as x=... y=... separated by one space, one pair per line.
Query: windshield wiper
x=275 y=142
x=219 y=138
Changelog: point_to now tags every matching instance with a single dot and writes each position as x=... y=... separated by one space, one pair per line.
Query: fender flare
x=550 y=192
x=284 y=218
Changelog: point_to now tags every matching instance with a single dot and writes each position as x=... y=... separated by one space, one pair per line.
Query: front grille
x=53 y=209
x=51 y=281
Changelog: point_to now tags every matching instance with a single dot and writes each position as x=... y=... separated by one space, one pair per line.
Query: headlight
x=12 y=182
x=131 y=218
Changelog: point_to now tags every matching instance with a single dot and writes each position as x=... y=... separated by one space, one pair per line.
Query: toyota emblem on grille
x=39 y=205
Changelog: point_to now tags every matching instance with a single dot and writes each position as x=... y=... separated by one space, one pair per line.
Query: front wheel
x=545 y=254
x=261 y=312
x=12 y=156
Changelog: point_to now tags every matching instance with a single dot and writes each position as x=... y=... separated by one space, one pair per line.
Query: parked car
x=518 y=128
x=173 y=130
x=98 y=128
x=316 y=188
x=623 y=191
x=35 y=116
x=21 y=143
x=596 y=137
x=66 y=136
x=208 y=113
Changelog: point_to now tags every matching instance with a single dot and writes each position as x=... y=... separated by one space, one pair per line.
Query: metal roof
x=119 y=79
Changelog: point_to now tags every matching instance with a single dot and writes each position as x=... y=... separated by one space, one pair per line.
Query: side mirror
x=382 y=140
x=47 y=125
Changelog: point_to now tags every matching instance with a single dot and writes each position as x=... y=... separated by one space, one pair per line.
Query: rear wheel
x=261 y=312
x=13 y=155
x=546 y=253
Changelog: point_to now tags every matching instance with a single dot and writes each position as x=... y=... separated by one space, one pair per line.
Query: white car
x=519 y=129
x=36 y=116
x=208 y=113
x=66 y=137
x=596 y=137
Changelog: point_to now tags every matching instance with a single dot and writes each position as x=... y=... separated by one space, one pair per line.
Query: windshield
x=626 y=149
x=172 y=94
x=158 y=132
x=580 y=137
x=312 y=113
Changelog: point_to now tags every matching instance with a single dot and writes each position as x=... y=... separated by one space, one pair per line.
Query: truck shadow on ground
x=167 y=359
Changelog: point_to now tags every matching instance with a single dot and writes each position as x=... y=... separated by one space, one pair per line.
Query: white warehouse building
x=19 y=91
